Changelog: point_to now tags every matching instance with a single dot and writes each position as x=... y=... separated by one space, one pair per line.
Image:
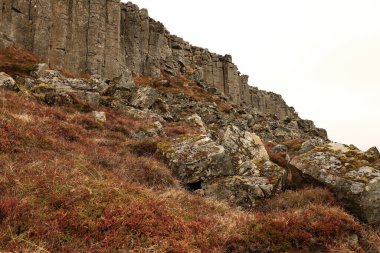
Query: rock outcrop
x=353 y=175
x=196 y=158
x=106 y=37
x=7 y=81
x=237 y=171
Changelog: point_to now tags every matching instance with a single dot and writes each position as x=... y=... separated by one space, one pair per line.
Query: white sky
x=322 y=56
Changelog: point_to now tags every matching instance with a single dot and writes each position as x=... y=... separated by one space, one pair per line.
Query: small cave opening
x=194 y=186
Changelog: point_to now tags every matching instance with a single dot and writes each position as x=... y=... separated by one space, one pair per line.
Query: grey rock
x=41 y=70
x=247 y=190
x=353 y=175
x=137 y=113
x=154 y=130
x=195 y=158
x=373 y=151
x=124 y=81
x=279 y=148
x=144 y=98
x=310 y=144
x=7 y=82
x=243 y=146
x=91 y=98
x=99 y=116
x=196 y=121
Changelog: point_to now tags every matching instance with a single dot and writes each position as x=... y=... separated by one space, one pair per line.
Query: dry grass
x=71 y=184
x=17 y=61
x=300 y=199
x=179 y=128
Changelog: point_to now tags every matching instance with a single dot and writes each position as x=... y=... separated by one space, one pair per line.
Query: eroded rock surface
x=7 y=81
x=196 y=158
x=246 y=189
x=238 y=171
x=243 y=145
x=353 y=175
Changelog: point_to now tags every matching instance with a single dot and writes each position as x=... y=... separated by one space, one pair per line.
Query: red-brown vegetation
x=71 y=184
x=178 y=128
x=16 y=61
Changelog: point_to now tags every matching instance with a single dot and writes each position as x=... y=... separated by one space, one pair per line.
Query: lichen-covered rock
x=353 y=175
x=243 y=145
x=196 y=121
x=310 y=144
x=124 y=81
x=238 y=171
x=261 y=181
x=373 y=152
x=91 y=98
x=41 y=70
x=99 y=116
x=137 y=113
x=144 y=98
x=279 y=148
x=100 y=84
x=195 y=158
x=7 y=82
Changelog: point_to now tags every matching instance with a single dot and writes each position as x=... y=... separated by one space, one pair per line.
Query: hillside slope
x=73 y=179
x=117 y=136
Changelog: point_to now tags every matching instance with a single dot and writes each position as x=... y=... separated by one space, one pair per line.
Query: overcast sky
x=322 y=56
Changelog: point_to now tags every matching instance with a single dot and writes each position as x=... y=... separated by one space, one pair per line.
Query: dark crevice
x=194 y=186
x=16 y=10
x=88 y=33
x=30 y=10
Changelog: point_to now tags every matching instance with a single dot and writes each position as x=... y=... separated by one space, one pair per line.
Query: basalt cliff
x=116 y=135
x=105 y=37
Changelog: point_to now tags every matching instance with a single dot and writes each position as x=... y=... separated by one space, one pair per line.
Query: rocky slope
x=146 y=120
x=90 y=164
x=223 y=158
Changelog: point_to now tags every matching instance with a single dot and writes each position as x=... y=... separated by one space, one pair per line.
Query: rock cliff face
x=106 y=36
x=79 y=36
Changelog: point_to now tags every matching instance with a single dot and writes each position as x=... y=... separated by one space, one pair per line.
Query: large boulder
x=238 y=171
x=353 y=175
x=196 y=158
x=243 y=145
x=262 y=181
x=124 y=81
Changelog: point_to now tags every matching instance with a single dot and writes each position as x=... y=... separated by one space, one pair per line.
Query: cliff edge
x=105 y=37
